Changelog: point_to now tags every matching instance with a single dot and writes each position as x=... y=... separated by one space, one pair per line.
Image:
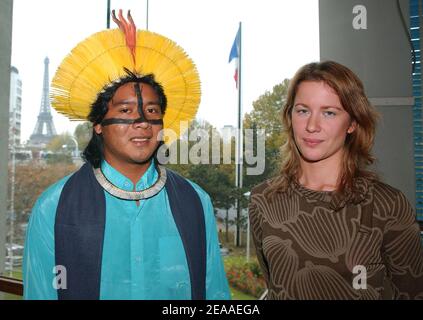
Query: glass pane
x=44 y=146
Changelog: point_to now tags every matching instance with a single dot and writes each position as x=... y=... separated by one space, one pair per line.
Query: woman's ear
x=352 y=127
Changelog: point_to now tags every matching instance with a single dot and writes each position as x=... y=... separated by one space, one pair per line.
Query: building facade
x=15 y=108
x=6 y=10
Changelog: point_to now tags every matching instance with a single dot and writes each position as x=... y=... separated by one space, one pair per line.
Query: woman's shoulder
x=262 y=188
x=269 y=191
x=259 y=188
x=390 y=199
x=387 y=191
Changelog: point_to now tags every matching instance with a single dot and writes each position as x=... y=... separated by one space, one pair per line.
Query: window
x=415 y=22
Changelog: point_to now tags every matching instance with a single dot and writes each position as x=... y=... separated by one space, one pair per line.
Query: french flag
x=234 y=55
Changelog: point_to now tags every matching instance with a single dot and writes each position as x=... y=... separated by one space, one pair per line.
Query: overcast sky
x=277 y=38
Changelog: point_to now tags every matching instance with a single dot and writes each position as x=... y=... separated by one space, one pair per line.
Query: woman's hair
x=93 y=153
x=358 y=144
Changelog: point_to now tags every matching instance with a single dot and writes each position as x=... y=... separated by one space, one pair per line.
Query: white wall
x=381 y=57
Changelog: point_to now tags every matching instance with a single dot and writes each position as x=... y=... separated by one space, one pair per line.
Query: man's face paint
x=132 y=139
x=151 y=119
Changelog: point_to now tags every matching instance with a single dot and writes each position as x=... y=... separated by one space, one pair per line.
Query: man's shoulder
x=200 y=191
x=52 y=193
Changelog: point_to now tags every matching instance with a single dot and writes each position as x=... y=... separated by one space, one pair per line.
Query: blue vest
x=79 y=233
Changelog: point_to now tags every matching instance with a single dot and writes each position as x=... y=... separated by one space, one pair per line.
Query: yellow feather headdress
x=99 y=61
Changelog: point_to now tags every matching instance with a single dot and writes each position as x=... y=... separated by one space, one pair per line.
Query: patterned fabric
x=319 y=245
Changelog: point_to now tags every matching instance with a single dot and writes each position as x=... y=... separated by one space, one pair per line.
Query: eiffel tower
x=41 y=137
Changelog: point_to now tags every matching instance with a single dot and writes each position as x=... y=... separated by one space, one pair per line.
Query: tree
x=218 y=184
x=61 y=143
x=83 y=134
x=266 y=114
x=215 y=179
x=30 y=181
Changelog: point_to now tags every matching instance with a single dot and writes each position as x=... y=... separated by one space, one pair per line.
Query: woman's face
x=320 y=123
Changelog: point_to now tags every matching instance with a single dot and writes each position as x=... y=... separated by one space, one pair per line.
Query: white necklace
x=132 y=195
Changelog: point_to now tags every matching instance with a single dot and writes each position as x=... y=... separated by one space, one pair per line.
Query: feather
x=100 y=60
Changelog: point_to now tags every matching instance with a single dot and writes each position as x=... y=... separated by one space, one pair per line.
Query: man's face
x=131 y=143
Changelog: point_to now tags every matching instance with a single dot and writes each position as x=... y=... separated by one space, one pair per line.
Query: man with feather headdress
x=123 y=226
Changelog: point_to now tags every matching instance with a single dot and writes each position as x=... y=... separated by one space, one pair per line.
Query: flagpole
x=147 y=18
x=240 y=140
x=240 y=124
x=108 y=14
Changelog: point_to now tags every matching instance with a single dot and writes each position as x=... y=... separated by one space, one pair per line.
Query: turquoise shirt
x=143 y=254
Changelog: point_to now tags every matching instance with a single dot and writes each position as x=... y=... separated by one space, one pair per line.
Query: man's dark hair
x=93 y=153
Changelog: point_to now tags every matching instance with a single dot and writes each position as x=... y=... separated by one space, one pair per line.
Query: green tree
x=61 y=143
x=60 y=149
x=31 y=180
x=218 y=180
x=266 y=114
x=83 y=134
x=215 y=179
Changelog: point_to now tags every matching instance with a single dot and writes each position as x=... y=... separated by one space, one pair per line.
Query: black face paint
x=140 y=103
x=107 y=122
x=141 y=119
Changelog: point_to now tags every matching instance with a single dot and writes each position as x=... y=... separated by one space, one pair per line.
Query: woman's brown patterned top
x=319 y=245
